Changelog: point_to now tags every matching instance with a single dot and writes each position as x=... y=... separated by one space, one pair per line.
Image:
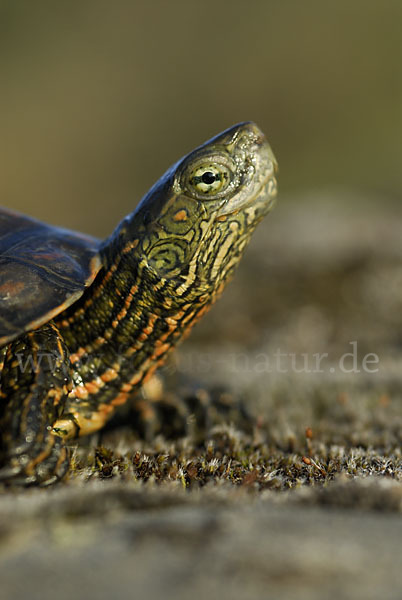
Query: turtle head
x=194 y=224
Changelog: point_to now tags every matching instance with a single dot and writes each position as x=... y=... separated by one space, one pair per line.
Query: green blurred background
x=98 y=97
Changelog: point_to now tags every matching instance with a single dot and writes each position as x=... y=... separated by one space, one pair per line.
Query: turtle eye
x=209 y=180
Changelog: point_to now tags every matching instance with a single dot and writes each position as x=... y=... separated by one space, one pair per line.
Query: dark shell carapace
x=43 y=270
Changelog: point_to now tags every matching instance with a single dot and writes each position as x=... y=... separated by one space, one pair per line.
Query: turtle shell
x=43 y=270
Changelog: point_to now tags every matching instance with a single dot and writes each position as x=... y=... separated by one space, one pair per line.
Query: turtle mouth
x=257 y=166
x=265 y=197
x=260 y=190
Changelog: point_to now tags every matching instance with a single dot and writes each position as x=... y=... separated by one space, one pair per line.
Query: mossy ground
x=304 y=504
x=332 y=280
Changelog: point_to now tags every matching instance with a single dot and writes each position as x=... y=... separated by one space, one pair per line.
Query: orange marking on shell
x=181 y=215
x=11 y=289
x=171 y=322
x=109 y=375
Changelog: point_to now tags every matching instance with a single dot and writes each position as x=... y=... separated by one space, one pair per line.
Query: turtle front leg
x=35 y=382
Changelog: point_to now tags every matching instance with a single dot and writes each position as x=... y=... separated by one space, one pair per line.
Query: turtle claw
x=40 y=466
x=15 y=476
x=8 y=473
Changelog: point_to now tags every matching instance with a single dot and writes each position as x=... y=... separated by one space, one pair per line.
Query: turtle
x=84 y=323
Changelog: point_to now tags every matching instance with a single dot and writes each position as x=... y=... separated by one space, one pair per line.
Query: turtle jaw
x=257 y=164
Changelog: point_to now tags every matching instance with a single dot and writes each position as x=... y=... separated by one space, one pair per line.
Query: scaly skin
x=163 y=267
